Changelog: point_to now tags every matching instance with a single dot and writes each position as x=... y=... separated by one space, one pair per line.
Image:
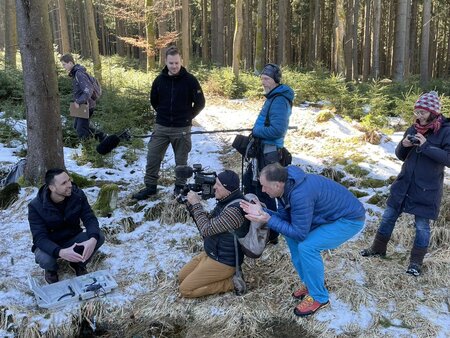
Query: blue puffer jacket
x=82 y=86
x=310 y=201
x=50 y=227
x=278 y=106
x=418 y=188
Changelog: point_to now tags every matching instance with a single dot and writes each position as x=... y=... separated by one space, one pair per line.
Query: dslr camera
x=203 y=181
x=413 y=139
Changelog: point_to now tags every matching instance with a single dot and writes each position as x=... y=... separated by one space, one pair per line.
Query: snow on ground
x=152 y=247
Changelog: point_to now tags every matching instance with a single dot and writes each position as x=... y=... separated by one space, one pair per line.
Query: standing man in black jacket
x=54 y=216
x=177 y=98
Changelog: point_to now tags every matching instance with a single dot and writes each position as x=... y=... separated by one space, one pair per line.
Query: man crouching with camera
x=212 y=271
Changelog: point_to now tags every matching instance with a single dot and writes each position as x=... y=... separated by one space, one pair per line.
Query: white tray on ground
x=94 y=284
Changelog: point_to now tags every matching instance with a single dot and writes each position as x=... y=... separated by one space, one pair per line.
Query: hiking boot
x=414 y=269
x=300 y=293
x=308 y=306
x=178 y=189
x=78 y=269
x=370 y=253
x=145 y=193
x=51 y=276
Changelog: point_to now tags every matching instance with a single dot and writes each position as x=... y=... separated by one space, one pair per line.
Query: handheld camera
x=203 y=181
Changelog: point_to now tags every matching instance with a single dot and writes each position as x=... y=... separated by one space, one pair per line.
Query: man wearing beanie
x=425 y=152
x=212 y=271
x=270 y=128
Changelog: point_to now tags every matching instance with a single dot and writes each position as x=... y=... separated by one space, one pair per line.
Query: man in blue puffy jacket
x=270 y=128
x=314 y=214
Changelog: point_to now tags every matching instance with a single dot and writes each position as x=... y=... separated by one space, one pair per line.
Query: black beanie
x=229 y=179
x=272 y=70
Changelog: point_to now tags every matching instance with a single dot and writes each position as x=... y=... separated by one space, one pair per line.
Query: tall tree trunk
x=65 y=44
x=186 y=33
x=85 y=50
x=355 y=68
x=259 y=42
x=93 y=40
x=425 y=43
x=150 y=33
x=310 y=34
x=237 y=40
x=367 y=42
x=10 y=34
x=220 y=33
x=407 y=37
x=413 y=45
x=214 y=33
x=338 y=38
x=282 y=15
x=316 y=34
x=376 y=39
x=348 y=40
x=162 y=29
x=44 y=134
x=389 y=47
x=2 y=24
x=120 y=31
x=205 y=41
x=400 y=42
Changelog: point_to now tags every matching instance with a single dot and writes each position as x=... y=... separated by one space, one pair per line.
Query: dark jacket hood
x=182 y=73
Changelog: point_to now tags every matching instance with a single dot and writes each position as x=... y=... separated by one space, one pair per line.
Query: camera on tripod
x=203 y=181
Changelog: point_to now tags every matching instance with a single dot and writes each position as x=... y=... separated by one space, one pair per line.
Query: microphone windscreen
x=108 y=144
x=183 y=171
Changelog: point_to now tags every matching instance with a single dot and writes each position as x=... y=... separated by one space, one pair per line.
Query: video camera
x=203 y=181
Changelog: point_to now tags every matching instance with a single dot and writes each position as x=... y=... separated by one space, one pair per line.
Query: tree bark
x=413 y=45
x=93 y=40
x=220 y=33
x=348 y=40
x=10 y=34
x=355 y=69
x=65 y=43
x=150 y=32
x=400 y=42
x=44 y=134
x=425 y=43
x=338 y=38
x=237 y=40
x=259 y=42
x=186 y=33
x=367 y=42
x=282 y=44
x=205 y=35
x=85 y=49
x=2 y=24
x=376 y=39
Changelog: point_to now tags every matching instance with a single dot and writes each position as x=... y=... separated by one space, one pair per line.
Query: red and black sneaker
x=308 y=306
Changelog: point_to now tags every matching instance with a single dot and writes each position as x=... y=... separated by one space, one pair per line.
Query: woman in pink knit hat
x=425 y=152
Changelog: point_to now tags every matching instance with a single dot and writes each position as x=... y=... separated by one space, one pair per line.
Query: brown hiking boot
x=51 y=276
x=300 y=293
x=78 y=269
x=308 y=306
x=378 y=247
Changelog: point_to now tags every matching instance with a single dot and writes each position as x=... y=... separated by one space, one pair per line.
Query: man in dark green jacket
x=177 y=98
x=54 y=216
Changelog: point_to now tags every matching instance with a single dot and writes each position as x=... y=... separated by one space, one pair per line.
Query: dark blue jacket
x=82 y=86
x=220 y=247
x=177 y=99
x=310 y=201
x=418 y=188
x=50 y=227
x=279 y=107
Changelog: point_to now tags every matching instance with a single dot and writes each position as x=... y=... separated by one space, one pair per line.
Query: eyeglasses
x=420 y=112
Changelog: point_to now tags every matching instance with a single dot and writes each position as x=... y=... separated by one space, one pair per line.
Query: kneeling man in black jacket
x=54 y=216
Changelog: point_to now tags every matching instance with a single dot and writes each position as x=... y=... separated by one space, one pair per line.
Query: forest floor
x=148 y=242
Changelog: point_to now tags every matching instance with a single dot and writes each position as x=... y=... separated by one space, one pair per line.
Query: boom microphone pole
x=112 y=141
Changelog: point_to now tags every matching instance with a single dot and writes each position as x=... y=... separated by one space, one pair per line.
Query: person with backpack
x=86 y=90
x=418 y=188
x=314 y=214
x=212 y=271
x=269 y=131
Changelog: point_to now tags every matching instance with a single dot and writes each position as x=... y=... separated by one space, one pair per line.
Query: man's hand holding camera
x=193 y=198
x=414 y=140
